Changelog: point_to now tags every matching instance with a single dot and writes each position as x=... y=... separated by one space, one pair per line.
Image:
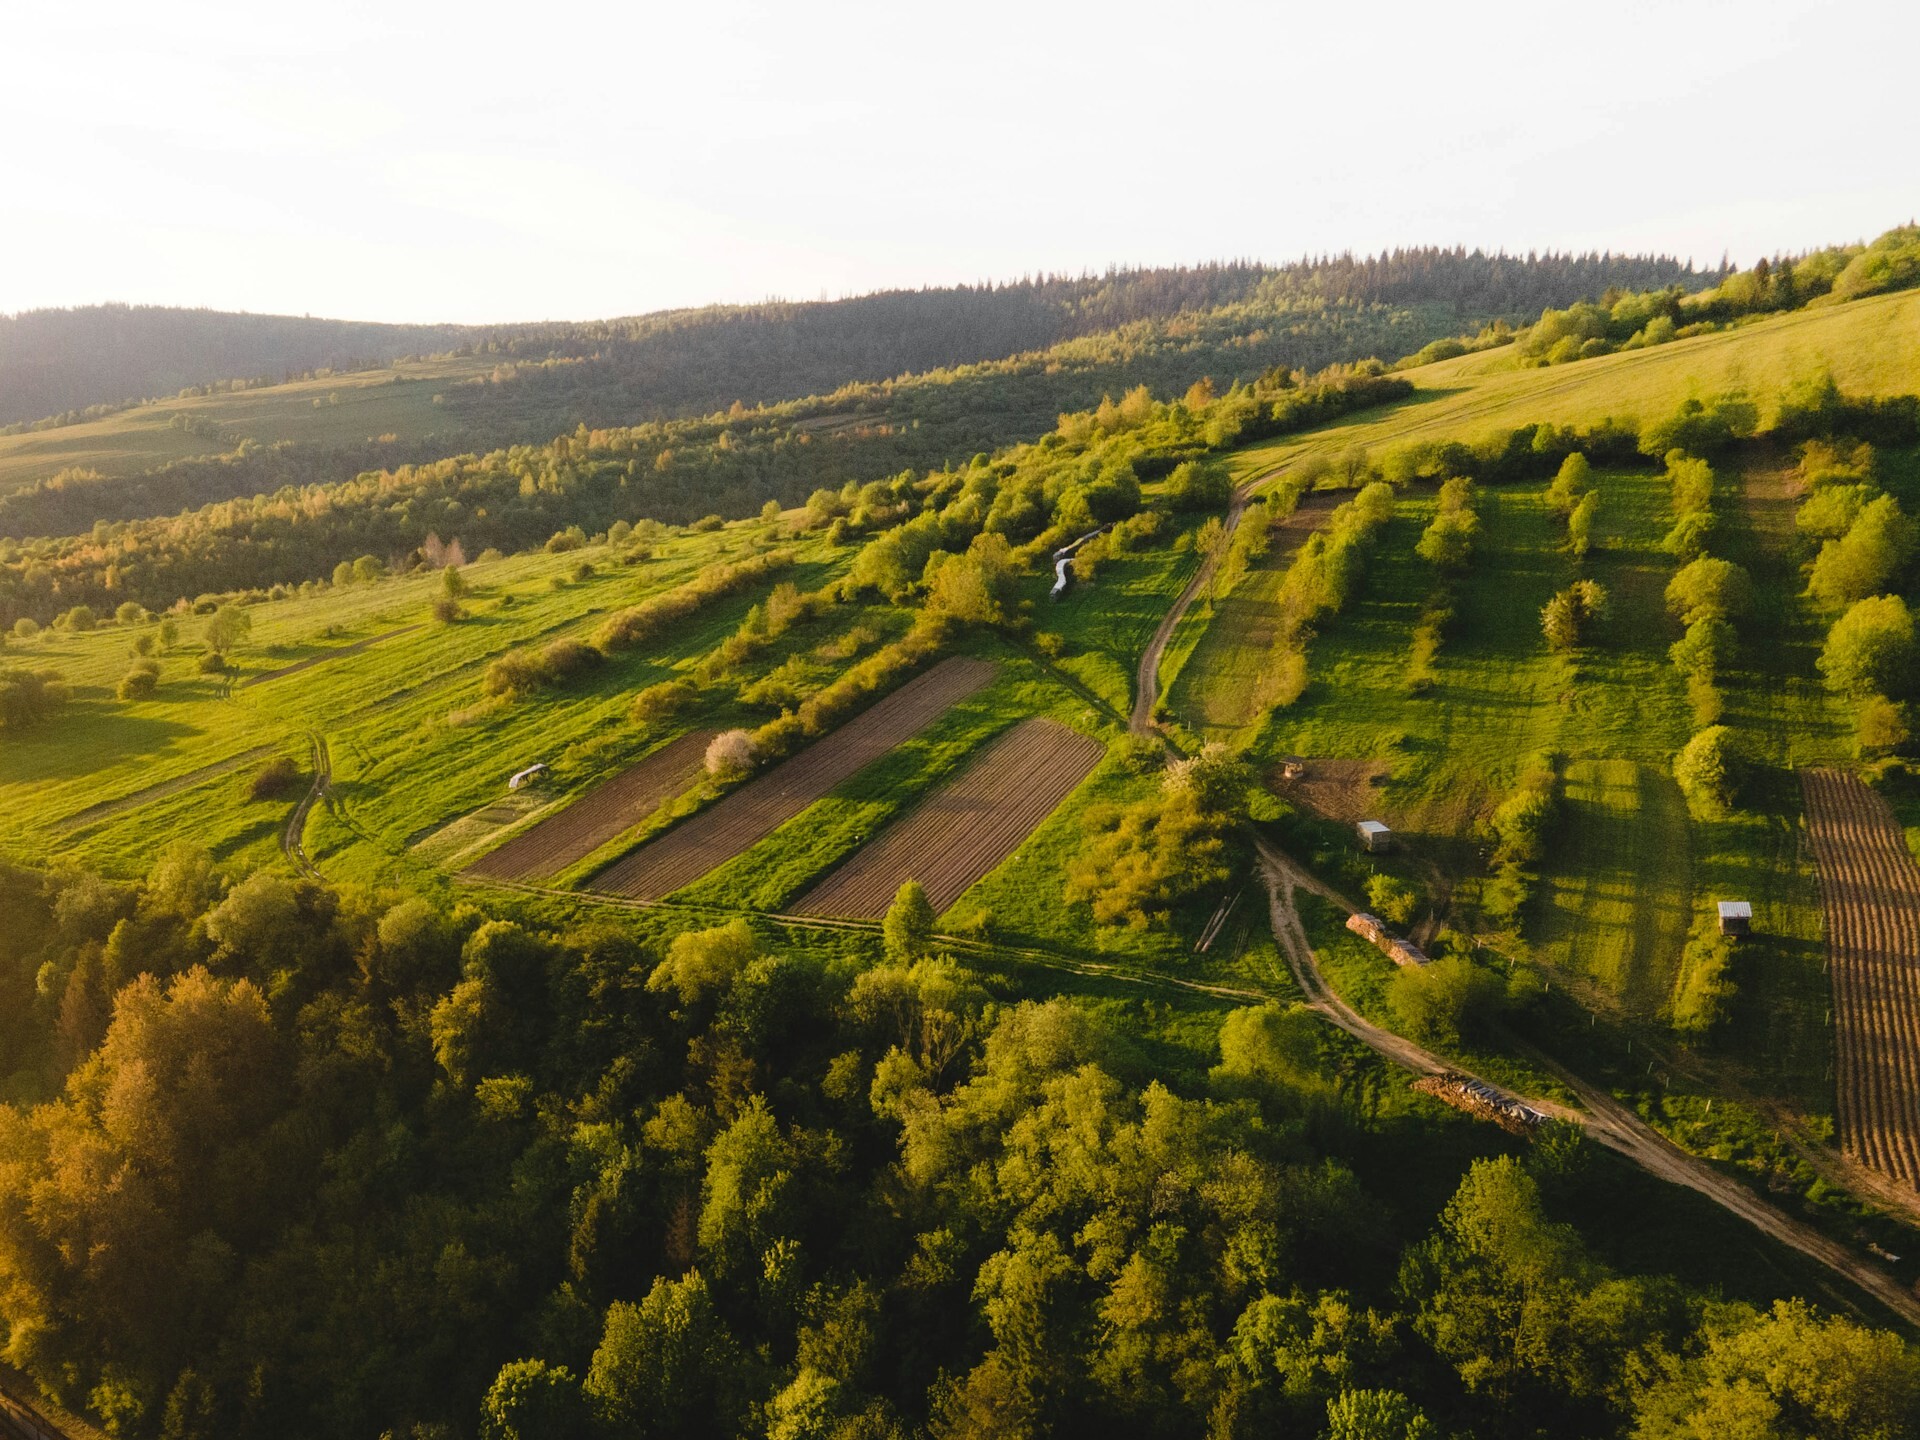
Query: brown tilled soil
x=599 y=815
x=1870 y=889
x=1346 y=790
x=1308 y=516
x=730 y=826
x=964 y=829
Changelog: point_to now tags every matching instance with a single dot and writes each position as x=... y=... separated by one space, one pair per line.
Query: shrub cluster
x=524 y=672
x=274 y=777
x=1141 y=860
x=638 y=624
x=28 y=696
x=1709 y=769
x=1447 y=544
x=1569 y=614
x=140 y=682
x=1522 y=824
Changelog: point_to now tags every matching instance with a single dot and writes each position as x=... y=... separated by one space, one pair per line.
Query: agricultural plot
x=599 y=815
x=729 y=827
x=967 y=827
x=1870 y=887
x=1227 y=680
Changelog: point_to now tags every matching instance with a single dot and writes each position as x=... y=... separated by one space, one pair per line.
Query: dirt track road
x=293 y=839
x=1146 y=683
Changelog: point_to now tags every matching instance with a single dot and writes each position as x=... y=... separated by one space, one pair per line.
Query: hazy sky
x=423 y=161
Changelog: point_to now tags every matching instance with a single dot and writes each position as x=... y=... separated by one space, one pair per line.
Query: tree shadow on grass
x=91 y=735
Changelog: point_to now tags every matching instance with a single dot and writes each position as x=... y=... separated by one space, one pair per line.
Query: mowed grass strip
x=1870 y=888
x=334 y=654
x=106 y=809
x=1616 y=902
x=965 y=828
x=599 y=815
x=729 y=827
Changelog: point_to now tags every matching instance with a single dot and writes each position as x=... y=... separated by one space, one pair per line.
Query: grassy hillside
x=388 y=707
x=1870 y=347
x=330 y=411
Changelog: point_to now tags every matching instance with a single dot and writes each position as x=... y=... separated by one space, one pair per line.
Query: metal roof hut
x=1736 y=917
x=1293 y=767
x=1374 y=836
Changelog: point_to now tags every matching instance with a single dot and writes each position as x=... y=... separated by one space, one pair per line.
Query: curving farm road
x=293 y=838
x=1146 y=683
x=1605 y=1119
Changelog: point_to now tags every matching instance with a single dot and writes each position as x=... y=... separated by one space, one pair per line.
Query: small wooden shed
x=1736 y=917
x=1374 y=835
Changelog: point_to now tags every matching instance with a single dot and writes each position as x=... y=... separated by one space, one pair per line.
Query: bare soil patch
x=597 y=816
x=733 y=824
x=1346 y=790
x=964 y=829
x=1870 y=890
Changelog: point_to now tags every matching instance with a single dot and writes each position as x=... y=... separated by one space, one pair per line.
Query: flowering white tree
x=731 y=752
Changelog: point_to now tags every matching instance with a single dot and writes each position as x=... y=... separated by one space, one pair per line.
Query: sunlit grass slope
x=1871 y=347
x=403 y=756
x=345 y=409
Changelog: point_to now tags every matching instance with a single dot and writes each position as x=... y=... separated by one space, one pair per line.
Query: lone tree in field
x=1708 y=770
x=1570 y=612
x=908 y=927
x=731 y=753
x=1870 y=649
x=229 y=626
x=1571 y=484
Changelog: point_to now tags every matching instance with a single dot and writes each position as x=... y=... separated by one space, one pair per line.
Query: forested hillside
x=1318 y=312
x=932 y=376
x=691 y=361
x=57 y=361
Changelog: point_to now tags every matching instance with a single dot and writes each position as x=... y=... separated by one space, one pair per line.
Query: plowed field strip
x=719 y=833
x=1870 y=890
x=966 y=827
x=599 y=815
